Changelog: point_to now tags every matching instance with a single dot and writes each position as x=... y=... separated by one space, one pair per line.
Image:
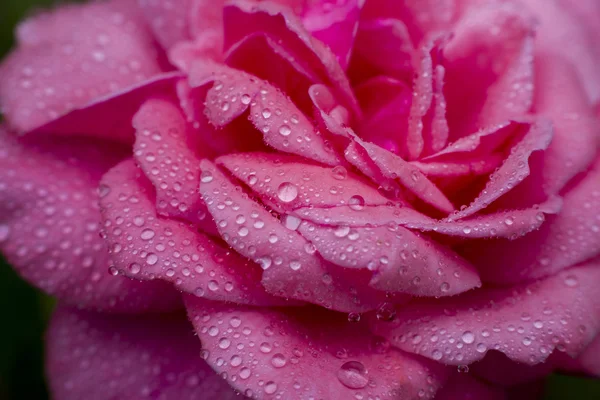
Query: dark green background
x=25 y=311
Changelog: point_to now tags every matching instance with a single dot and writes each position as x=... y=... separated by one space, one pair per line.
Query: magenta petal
x=244 y=17
x=334 y=23
x=589 y=360
x=282 y=125
x=307 y=353
x=565 y=239
x=165 y=149
x=525 y=322
x=169 y=23
x=147 y=247
x=96 y=357
x=514 y=169
x=566 y=32
x=465 y=387
x=89 y=119
x=49 y=227
x=73 y=55
x=403 y=261
x=427 y=126
x=313 y=185
x=506 y=224
x=382 y=48
x=386 y=104
x=292 y=268
x=489 y=64
x=561 y=98
x=392 y=167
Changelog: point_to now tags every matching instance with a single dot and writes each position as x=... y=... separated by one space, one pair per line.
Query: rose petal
x=168 y=151
x=421 y=268
x=565 y=239
x=334 y=23
x=49 y=225
x=514 y=169
x=169 y=23
x=71 y=56
x=292 y=269
x=382 y=48
x=147 y=247
x=589 y=360
x=97 y=356
x=421 y=16
x=394 y=168
x=270 y=175
x=261 y=56
x=306 y=353
x=283 y=126
x=89 y=120
x=525 y=322
x=489 y=65
x=507 y=224
x=563 y=33
x=465 y=387
x=427 y=126
x=243 y=17
x=385 y=103
x=560 y=97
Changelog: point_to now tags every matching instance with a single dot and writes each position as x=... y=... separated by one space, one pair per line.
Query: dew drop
x=356 y=203
x=353 y=375
x=287 y=192
x=285 y=130
x=147 y=234
x=468 y=337
x=278 y=360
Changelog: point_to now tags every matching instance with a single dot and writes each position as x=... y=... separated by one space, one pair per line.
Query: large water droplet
x=287 y=192
x=278 y=360
x=285 y=130
x=356 y=203
x=468 y=337
x=353 y=375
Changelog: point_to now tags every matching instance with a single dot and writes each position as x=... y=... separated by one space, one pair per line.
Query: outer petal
x=489 y=65
x=90 y=119
x=169 y=22
x=95 y=357
x=73 y=55
x=589 y=360
x=50 y=224
x=563 y=32
x=561 y=97
x=563 y=240
x=306 y=354
x=145 y=246
x=525 y=322
x=168 y=150
x=465 y=387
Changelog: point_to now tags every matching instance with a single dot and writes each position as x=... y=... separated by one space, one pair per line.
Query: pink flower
x=350 y=199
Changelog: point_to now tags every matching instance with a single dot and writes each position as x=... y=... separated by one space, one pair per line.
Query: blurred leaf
x=564 y=387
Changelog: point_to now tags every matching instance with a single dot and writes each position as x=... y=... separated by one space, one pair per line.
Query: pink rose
x=350 y=199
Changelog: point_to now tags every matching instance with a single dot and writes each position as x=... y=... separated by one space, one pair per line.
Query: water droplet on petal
x=353 y=375
x=356 y=203
x=287 y=192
